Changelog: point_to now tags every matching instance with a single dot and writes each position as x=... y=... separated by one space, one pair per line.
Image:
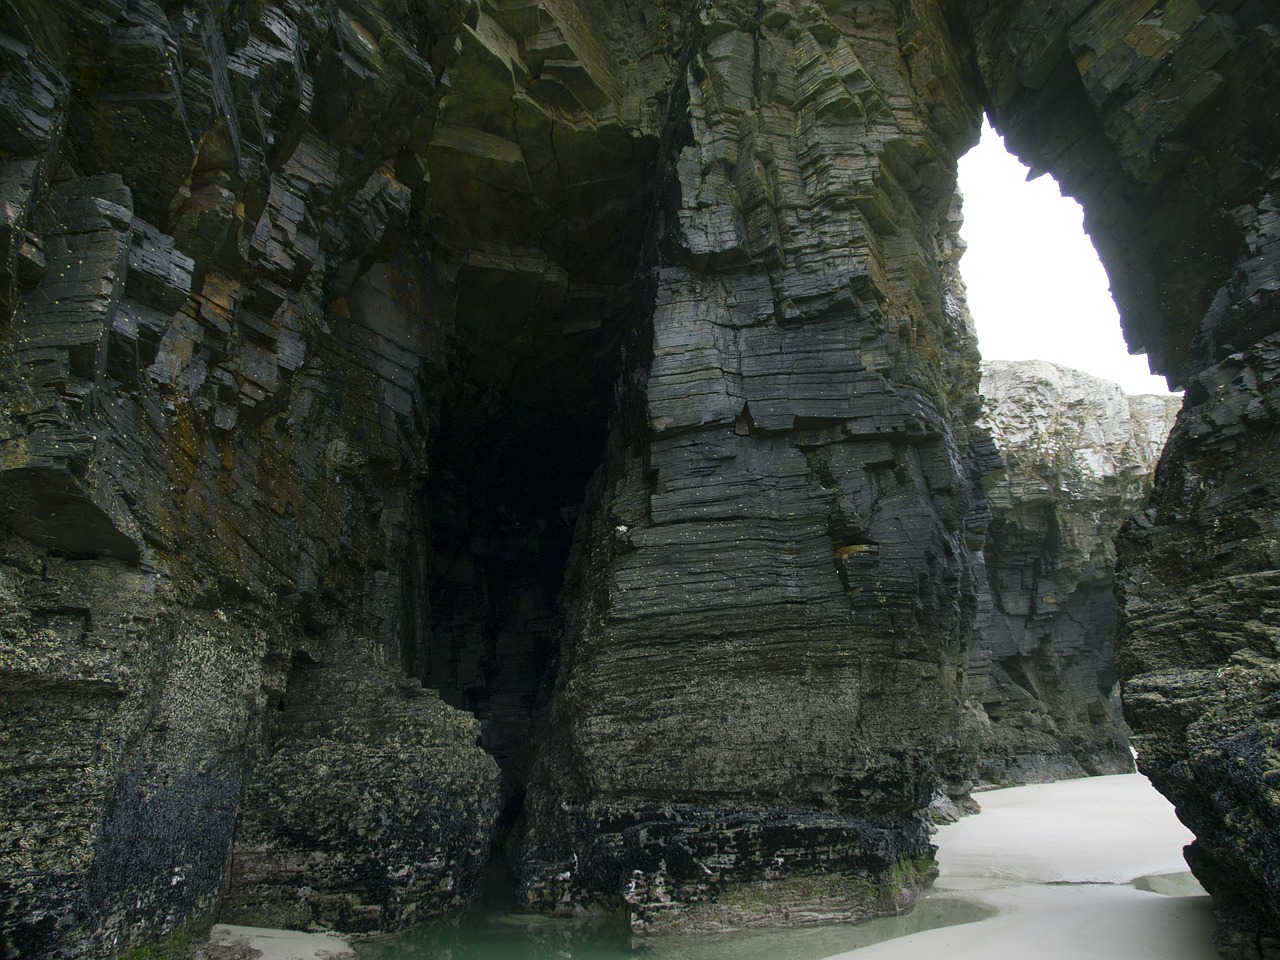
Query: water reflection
x=495 y=936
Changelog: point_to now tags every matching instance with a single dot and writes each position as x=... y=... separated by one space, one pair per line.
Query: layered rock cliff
x=220 y=355
x=556 y=420
x=763 y=665
x=314 y=321
x=1078 y=461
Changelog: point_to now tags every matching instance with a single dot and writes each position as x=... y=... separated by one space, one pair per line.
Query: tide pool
x=509 y=936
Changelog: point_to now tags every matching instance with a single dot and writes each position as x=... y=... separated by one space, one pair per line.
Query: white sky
x=1036 y=288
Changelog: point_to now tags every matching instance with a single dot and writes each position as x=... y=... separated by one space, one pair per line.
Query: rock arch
x=270 y=274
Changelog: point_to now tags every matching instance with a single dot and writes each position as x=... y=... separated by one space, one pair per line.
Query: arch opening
x=1079 y=423
x=1036 y=288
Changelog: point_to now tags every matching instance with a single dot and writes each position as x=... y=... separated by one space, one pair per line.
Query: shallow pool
x=507 y=936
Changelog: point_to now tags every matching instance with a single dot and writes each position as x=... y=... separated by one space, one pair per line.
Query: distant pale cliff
x=1078 y=461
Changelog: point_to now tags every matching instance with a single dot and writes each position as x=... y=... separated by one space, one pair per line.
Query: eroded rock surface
x=1197 y=585
x=1079 y=457
x=332 y=334
x=763 y=666
x=219 y=358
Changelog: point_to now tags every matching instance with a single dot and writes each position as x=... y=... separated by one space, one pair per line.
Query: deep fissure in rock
x=510 y=461
x=551 y=300
x=1078 y=456
x=521 y=430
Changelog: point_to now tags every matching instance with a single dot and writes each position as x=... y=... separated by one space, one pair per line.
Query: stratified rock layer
x=1079 y=457
x=763 y=666
x=218 y=360
x=1199 y=590
x=263 y=263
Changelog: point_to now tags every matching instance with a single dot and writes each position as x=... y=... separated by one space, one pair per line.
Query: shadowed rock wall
x=1079 y=457
x=263 y=263
x=1163 y=120
x=219 y=356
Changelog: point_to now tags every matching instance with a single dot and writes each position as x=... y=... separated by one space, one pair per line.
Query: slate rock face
x=263 y=263
x=217 y=364
x=540 y=194
x=128 y=721
x=331 y=335
x=1161 y=120
x=1079 y=457
x=773 y=585
x=1196 y=583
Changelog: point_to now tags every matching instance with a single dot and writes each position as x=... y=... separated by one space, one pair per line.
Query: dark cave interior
x=522 y=429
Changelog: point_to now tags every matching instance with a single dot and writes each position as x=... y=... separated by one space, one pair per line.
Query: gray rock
x=1079 y=457
x=217 y=376
x=762 y=674
x=317 y=321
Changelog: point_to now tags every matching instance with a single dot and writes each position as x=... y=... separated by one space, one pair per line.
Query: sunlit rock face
x=1161 y=120
x=1078 y=460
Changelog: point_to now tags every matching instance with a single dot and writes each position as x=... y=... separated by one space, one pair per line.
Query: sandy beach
x=1069 y=870
x=229 y=942
x=1058 y=863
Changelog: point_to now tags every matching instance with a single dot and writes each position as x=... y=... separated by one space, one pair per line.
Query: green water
x=498 y=936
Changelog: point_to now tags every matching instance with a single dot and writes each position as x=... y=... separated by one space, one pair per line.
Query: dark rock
x=317 y=321
x=373 y=810
x=219 y=362
x=1195 y=584
x=710 y=866
x=134 y=711
x=773 y=586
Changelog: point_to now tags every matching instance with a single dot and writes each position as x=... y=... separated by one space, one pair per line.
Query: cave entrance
x=522 y=427
x=1078 y=458
x=1036 y=289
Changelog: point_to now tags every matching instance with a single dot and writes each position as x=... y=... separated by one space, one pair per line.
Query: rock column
x=765 y=657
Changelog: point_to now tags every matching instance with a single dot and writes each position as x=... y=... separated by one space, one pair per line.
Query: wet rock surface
x=219 y=358
x=1078 y=462
x=602 y=372
x=1196 y=584
x=374 y=809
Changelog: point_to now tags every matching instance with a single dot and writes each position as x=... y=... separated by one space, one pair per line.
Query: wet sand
x=1070 y=869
